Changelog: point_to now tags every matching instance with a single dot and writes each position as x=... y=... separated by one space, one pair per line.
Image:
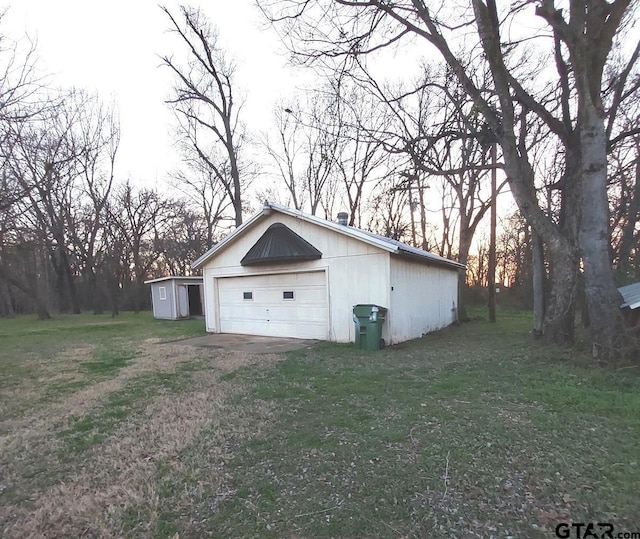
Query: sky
x=113 y=47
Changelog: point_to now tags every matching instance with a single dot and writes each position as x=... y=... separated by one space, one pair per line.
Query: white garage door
x=280 y=305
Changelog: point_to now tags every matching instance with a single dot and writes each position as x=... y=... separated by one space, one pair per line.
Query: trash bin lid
x=363 y=310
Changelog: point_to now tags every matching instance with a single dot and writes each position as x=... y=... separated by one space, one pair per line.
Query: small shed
x=631 y=305
x=285 y=273
x=176 y=297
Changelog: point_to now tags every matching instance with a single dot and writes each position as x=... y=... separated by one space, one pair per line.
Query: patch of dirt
x=119 y=473
x=154 y=357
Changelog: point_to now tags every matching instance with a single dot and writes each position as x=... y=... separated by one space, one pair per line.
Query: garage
x=277 y=305
x=285 y=273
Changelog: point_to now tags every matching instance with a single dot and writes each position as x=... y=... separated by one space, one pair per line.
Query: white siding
x=420 y=297
x=267 y=312
x=422 y=300
x=355 y=271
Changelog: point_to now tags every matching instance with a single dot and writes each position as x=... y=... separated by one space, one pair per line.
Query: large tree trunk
x=602 y=297
x=464 y=242
x=235 y=175
x=539 y=277
x=559 y=318
x=71 y=284
x=558 y=324
x=95 y=291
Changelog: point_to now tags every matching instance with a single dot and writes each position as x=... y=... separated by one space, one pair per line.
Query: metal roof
x=280 y=244
x=630 y=295
x=387 y=244
x=195 y=279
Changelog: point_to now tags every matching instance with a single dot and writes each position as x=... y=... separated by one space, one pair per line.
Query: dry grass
x=469 y=432
x=88 y=495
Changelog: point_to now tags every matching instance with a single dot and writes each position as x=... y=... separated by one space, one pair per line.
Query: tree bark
x=492 y=241
x=41 y=309
x=603 y=299
x=465 y=238
x=539 y=274
x=559 y=318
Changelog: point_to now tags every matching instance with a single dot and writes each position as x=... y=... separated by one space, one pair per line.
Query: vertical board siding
x=422 y=300
x=175 y=305
x=162 y=308
x=356 y=272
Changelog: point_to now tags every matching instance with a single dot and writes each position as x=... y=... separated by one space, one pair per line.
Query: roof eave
x=432 y=261
x=199 y=262
x=174 y=278
x=342 y=229
x=336 y=227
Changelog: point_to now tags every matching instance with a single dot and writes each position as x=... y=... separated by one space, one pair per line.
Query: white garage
x=284 y=273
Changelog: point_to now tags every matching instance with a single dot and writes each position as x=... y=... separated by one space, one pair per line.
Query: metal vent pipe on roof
x=343 y=218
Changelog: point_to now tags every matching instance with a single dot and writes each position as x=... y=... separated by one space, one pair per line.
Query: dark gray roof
x=280 y=244
x=630 y=295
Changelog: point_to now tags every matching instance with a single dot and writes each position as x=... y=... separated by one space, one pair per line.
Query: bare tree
x=206 y=196
x=44 y=164
x=387 y=217
x=443 y=143
x=306 y=150
x=363 y=160
x=322 y=141
x=96 y=134
x=141 y=217
x=205 y=104
x=286 y=151
x=184 y=238
x=21 y=105
x=581 y=40
x=21 y=100
x=624 y=195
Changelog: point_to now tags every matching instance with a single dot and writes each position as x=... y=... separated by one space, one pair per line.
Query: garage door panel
x=268 y=312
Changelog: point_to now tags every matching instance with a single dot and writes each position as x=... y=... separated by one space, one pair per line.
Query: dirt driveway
x=250 y=344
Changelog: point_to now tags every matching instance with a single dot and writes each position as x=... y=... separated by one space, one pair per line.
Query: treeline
x=412 y=159
x=72 y=237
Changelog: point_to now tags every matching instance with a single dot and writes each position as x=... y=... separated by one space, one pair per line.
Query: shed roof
x=630 y=295
x=387 y=244
x=190 y=279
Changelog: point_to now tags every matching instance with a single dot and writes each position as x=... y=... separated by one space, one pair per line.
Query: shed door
x=279 y=305
x=183 y=302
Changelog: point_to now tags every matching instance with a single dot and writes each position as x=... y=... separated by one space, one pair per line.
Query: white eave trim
x=174 y=278
x=341 y=229
x=197 y=264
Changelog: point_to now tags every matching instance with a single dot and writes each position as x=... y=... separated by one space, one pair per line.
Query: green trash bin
x=369 y=319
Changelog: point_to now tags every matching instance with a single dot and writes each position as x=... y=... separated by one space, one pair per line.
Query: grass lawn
x=115 y=428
